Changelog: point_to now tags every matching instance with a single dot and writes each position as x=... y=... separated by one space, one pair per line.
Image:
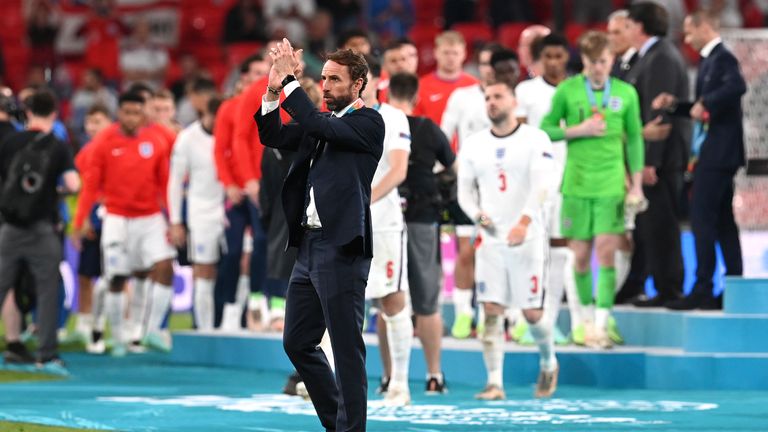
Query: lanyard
x=591 y=94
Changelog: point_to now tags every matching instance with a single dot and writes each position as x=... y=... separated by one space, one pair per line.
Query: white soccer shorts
x=134 y=244
x=512 y=276
x=389 y=266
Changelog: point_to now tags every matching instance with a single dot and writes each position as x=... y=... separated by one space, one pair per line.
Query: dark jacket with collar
x=662 y=70
x=341 y=176
x=720 y=86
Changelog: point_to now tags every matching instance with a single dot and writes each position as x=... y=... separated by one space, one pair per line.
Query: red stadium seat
x=476 y=34
x=573 y=32
x=509 y=34
x=428 y=11
x=237 y=52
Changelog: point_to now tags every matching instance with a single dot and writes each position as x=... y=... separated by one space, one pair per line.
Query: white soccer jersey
x=192 y=159
x=507 y=178
x=387 y=213
x=465 y=113
x=534 y=101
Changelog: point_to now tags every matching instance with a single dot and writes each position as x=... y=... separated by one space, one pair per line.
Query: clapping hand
x=285 y=61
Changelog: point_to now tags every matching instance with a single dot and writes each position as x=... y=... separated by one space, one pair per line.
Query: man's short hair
x=141 y=88
x=506 y=83
x=355 y=63
x=202 y=85
x=398 y=43
x=504 y=55
x=702 y=15
x=403 y=86
x=450 y=37
x=552 y=39
x=98 y=108
x=593 y=43
x=214 y=103
x=618 y=14
x=351 y=34
x=373 y=65
x=653 y=18
x=163 y=94
x=245 y=65
x=41 y=103
x=131 y=97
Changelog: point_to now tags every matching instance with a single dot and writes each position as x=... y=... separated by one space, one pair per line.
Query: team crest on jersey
x=500 y=152
x=614 y=103
x=146 y=149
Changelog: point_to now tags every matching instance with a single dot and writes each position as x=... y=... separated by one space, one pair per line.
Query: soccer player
x=90 y=316
x=232 y=289
x=388 y=278
x=505 y=175
x=534 y=100
x=129 y=167
x=193 y=160
x=600 y=114
x=465 y=115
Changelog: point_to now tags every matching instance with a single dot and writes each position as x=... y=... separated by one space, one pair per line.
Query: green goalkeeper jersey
x=595 y=166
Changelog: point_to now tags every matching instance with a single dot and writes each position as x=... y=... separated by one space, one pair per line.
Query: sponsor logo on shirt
x=117 y=152
x=500 y=152
x=404 y=135
x=435 y=97
x=146 y=149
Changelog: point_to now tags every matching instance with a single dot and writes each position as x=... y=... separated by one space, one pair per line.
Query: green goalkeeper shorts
x=585 y=218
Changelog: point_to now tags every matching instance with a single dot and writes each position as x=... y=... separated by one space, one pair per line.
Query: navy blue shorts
x=90 y=258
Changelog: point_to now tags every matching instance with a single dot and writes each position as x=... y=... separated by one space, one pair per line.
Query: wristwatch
x=287 y=79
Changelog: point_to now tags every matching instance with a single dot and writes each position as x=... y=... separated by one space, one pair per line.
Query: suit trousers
x=327 y=290
x=712 y=221
x=659 y=230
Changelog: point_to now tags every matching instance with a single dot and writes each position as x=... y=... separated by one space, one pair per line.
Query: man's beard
x=499 y=118
x=337 y=103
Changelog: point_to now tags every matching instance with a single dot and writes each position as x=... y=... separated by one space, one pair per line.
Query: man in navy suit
x=718 y=151
x=326 y=199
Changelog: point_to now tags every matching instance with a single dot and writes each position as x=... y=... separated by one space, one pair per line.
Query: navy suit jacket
x=720 y=86
x=341 y=176
x=662 y=70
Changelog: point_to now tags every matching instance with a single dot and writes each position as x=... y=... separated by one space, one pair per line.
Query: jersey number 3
x=534 y=284
x=502 y=181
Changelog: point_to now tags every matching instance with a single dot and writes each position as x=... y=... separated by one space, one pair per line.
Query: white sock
x=325 y=345
x=569 y=284
x=231 y=316
x=554 y=295
x=84 y=323
x=161 y=302
x=601 y=318
x=462 y=301
x=204 y=303
x=493 y=349
x=622 y=262
x=137 y=314
x=243 y=290
x=542 y=334
x=100 y=289
x=113 y=304
x=400 y=339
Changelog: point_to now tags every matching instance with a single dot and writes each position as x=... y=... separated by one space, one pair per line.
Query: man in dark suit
x=326 y=200
x=718 y=151
x=659 y=69
x=625 y=54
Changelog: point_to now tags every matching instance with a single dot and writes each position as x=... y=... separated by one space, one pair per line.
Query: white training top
x=507 y=178
x=387 y=212
x=465 y=113
x=534 y=101
x=193 y=160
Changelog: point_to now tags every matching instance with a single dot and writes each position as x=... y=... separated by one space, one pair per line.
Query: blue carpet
x=146 y=393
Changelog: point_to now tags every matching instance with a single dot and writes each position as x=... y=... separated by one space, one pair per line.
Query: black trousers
x=327 y=290
x=659 y=231
x=712 y=221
